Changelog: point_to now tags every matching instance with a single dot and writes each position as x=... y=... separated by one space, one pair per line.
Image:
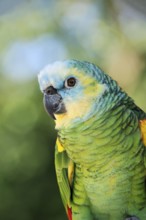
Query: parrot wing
x=141 y=115
x=142 y=122
x=64 y=171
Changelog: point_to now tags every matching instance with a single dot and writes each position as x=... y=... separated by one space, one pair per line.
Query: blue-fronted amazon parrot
x=100 y=154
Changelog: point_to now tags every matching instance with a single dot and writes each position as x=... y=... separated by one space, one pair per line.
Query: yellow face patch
x=79 y=107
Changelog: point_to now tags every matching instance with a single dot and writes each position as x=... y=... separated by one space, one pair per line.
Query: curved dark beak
x=54 y=104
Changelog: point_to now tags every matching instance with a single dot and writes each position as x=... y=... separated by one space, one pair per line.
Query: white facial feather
x=52 y=74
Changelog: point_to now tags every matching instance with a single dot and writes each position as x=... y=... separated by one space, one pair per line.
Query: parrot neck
x=95 y=140
x=102 y=134
x=102 y=138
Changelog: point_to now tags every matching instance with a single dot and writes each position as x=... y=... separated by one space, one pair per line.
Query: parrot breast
x=109 y=153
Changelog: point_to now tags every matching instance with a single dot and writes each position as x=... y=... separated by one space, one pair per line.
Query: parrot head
x=73 y=90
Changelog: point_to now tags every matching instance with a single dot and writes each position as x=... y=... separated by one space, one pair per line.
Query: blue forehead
x=55 y=74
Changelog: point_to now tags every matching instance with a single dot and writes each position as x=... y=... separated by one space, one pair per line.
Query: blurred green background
x=33 y=33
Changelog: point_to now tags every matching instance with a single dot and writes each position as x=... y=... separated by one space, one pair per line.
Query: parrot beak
x=53 y=104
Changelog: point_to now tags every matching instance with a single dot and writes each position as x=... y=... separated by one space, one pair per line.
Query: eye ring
x=70 y=82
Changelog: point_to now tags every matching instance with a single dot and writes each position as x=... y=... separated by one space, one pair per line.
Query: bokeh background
x=33 y=33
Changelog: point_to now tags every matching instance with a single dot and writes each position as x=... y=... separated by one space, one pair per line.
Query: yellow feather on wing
x=143 y=130
x=59 y=146
x=65 y=172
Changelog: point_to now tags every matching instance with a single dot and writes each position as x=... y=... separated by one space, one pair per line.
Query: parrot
x=100 y=152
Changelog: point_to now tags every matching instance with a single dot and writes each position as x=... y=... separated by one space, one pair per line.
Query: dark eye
x=70 y=82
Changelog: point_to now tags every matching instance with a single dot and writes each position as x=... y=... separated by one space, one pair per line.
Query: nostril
x=50 y=90
x=56 y=105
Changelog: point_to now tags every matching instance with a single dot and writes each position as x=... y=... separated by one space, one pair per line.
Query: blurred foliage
x=33 y=33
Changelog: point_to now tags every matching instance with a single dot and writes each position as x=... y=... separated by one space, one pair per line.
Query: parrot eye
x=70 y=82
